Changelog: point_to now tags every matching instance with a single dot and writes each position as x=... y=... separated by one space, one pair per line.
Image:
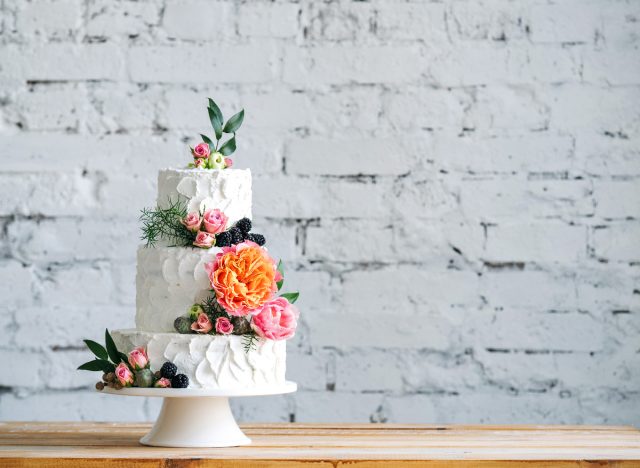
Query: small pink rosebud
x=224 y=326
x=138 y=358
x=199 y=162
x=215 y=221
x=204 y=240
x=192 y=222
x=163 y=383
x=202 y=324
x=124 y=375
x=228 y=162
x=201 y=150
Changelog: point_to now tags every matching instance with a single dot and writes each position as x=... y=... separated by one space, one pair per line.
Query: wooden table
x=62 y=445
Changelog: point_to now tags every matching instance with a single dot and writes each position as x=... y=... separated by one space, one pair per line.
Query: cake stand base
x=197 y=417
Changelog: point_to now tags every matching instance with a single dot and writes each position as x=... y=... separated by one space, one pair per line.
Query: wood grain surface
x=62 y=445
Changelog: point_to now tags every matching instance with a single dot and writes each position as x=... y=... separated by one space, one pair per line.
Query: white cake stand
x=197 y=417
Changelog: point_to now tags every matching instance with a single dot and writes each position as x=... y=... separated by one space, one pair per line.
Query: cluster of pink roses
x=138 y=360
x=202 y=158
x=206 y=226
x=203 y=324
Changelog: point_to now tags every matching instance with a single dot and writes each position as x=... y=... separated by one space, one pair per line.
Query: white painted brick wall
x=454 y=187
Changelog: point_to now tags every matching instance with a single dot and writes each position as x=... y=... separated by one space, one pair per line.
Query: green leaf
x=291 y=297
x=229 y=147
x=216 y=123
x=206 y=139
x=97 y=349
x=98 y=365
x=281 y=270
x=114 y=354
x=214 y=107
x=233 y=124
x=123 y=357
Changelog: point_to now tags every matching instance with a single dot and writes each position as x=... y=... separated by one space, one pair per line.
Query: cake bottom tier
x=211 y=361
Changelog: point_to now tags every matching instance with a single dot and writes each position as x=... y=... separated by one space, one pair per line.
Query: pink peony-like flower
x=276 y=320
x=224 y=326
x=228 y=162
x=163 y=383
x=204 y=240
x=138 y=358
x=202 y=324
x=199 y=162
x=192 y=222
x=124 y=375
x=215 y=221
x=201 y=151
x=244 y=277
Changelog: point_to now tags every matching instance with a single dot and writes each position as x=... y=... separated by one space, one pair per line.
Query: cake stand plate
x=198 y=417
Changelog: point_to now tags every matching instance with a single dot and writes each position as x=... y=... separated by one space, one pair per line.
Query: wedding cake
x=209 y=312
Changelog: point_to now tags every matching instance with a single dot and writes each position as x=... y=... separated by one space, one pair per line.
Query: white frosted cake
x=210 y=313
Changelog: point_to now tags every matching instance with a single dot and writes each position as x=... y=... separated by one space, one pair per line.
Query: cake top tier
x=227 y=190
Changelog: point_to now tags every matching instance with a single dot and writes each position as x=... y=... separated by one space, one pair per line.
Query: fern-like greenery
x=164 y=224
x=249 y=342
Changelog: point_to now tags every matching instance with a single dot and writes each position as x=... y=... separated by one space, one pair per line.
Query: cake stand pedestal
x=197 y=417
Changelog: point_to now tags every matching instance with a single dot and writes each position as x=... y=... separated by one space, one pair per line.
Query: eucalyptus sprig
x=221 y=127
x=165 y=223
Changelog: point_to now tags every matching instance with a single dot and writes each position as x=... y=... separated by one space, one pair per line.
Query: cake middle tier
x=169 y=280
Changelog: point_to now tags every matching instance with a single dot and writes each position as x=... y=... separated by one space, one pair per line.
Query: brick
x=35 y=111
x=535 y=243
x=617 y=68
x=420 y=21
x=127 y=18
x=178 y=20
x=617 y=199
x=617 y=242
x=488 y=20
x=50 y=20
x=570 y=21
x=355 y=156
x=233 y=64
x=16 y=281
x=608 y=155
x=62 y=61
x=335 y=407
x=501 y=108
x=22 y=369
x=268 y=20
x=330 y=65
x=333 y=22
x=78 y=284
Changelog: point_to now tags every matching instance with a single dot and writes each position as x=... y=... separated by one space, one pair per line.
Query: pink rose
x=224 y=326
x=228 y=162
x=124 y=375
x=201 y=150
x=204 y=240
x=138 y=358
x=192 y=222
x=276 y=320
x=202 y=324
x=215 y=221
x=199 y=162
x=163 y=383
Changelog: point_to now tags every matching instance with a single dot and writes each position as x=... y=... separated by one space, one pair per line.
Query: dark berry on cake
x=180 y=381
x=168 y=370
x=236 y=235
x=244 y=225
x=223 y=239
x=257 y=238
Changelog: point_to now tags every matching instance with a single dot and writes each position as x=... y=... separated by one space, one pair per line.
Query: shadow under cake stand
x=198 y=417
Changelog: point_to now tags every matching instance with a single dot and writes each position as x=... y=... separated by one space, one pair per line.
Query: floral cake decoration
x=210 y=155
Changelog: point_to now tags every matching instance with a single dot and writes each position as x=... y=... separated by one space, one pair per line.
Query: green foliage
x=108 y=355
x=97 y=349
x=291 y=297
x=219 y=127
x=249 y=342
x=164 y=223
x=281 y=270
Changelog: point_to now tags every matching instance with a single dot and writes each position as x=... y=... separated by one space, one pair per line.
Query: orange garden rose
x=243 y=277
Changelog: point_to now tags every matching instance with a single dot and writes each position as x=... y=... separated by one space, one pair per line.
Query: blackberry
x=180 y=381
x=223 y=239
x=236 y=235
x=244 y=225
x=168 y=370
x=257 y=238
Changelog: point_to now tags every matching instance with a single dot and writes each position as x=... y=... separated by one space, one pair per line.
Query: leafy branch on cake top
x=210 y=155
x=165 y=223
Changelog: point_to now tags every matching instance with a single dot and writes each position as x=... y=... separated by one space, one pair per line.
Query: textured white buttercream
x=211 y=361
x=169 y=280
x=228 y=190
